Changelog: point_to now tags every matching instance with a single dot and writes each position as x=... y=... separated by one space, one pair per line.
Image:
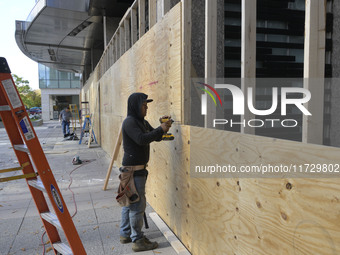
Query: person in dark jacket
x=65 y=117
x=137 y=136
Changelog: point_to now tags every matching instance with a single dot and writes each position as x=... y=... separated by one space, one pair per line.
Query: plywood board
x=216 y=215
x=263 y=216
x=152 y=66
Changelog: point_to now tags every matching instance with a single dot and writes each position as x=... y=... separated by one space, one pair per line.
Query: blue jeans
x=132 y=216
x=66 y=127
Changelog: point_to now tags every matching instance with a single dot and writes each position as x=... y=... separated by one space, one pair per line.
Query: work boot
x=124 y=239
x=144 y=244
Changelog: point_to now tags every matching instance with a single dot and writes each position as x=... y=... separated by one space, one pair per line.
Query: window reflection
x=50 y=78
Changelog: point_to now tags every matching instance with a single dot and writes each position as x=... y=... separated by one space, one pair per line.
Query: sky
x=18 y=62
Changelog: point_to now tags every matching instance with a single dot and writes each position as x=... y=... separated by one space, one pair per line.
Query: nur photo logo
x=287 y=96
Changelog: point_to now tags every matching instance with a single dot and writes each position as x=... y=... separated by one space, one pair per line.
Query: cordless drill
x=167 y=136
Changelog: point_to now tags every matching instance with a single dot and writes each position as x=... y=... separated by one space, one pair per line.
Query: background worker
x=137 y=136
x=65 y=116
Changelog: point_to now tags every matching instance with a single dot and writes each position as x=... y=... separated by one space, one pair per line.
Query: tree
x=29 y=97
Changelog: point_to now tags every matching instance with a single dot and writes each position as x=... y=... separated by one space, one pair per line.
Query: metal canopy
x=110 y=8
x=64 y=34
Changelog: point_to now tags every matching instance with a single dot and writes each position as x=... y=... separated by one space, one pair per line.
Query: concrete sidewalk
x=97 y=214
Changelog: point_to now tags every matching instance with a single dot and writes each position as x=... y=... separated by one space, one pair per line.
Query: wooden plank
x=115 y=44
x=169 y=235
x=186 y=60
x=288 y=215
x=126 y=16
x=133 y=26
x=314 y=69
x=134 y=5
x=172 y=201
x=165 y=6
x=159 y=10
x=217 y=215
x=118 y=143
x=141 y=17
x=210 y=56
x=248 y=57
x=122 y=40
x=152 y=13
x=104 y=28
x=127 y=34
x=152 y=66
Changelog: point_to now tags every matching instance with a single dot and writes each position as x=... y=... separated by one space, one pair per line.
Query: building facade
x=59 y=89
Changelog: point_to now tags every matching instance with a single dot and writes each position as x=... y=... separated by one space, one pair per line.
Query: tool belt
x=134 y=168
x=127 y=192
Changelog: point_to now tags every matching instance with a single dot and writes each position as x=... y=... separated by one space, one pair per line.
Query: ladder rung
x=14 y=168
x=10 y=169
x=4 y=108
x=51 y=218
x=62 y=248
x=18 y=177
x=37 y=184
x=21 y=147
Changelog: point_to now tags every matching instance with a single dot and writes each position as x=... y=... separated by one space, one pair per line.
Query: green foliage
x=30 y=98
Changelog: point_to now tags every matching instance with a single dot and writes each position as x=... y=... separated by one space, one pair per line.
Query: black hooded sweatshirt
x=138 y=133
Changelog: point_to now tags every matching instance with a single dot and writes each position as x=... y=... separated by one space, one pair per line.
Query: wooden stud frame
x=133 y=26
x=210 y=55
x=141 y=17
x=314 y=70
x=248 y=57
x=152 y=13
x=186 y=61
x=127 y=34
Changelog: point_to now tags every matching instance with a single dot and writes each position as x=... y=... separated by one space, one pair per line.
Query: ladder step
x=51 y=218
x=17 y=177
x=4 y=108
x=21 y=147
x=62 y=248
x=37 y=184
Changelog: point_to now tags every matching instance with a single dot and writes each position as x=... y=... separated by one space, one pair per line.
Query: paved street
x=97 y=214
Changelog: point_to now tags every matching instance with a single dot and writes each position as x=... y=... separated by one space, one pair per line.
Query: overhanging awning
x=60 y=34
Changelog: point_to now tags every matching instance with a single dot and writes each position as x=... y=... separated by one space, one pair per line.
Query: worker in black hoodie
x=137 y=136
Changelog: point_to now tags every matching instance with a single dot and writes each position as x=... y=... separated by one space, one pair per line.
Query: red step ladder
x=26 y=147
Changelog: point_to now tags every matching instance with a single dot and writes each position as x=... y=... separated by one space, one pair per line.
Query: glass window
x=52 y=78
x=42 y=74
x=42 y=84
x=75 y=84
x=64 y=84
x=64 y=75
x=52 y=84
x=51 y=73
